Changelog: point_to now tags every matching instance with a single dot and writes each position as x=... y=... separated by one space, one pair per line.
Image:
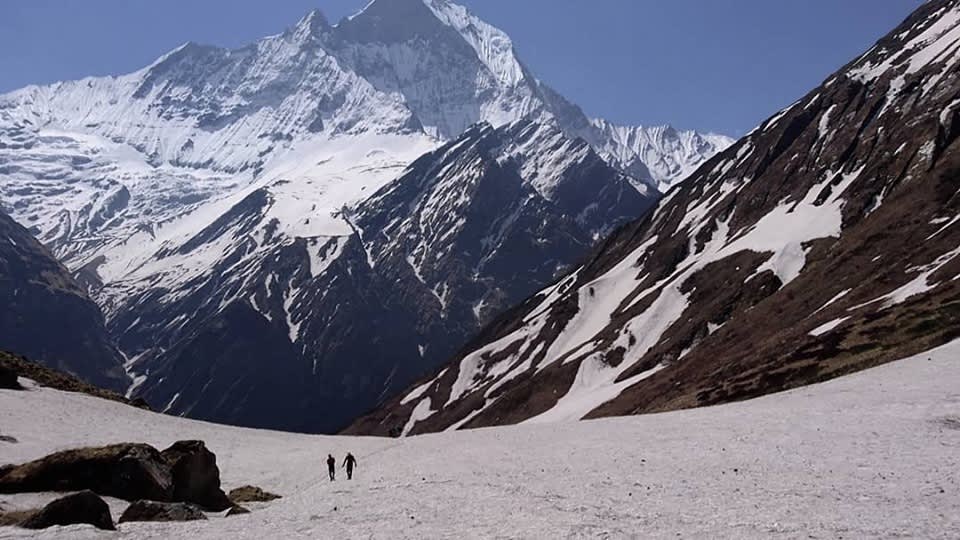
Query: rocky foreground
x=177 y=484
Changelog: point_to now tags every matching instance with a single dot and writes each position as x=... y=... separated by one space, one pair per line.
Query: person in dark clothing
x=350 y=462
x=331 y=467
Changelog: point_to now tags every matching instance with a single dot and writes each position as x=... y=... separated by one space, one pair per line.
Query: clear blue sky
x=713 y=65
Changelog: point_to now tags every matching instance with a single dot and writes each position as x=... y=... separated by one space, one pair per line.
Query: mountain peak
x=312 y=24
x=391 y=21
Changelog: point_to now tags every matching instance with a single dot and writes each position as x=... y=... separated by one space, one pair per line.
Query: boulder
x=126 y=471
x=237 y=510
x=251 y=494
x=83 y=507
x=8 y=379
x=161 y=511
x=185 y=472
x=196 y=477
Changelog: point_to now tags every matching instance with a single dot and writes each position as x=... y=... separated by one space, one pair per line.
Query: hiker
x=349 y=463
x=331 y=467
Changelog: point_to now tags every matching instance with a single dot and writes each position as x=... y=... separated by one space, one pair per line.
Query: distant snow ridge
x=217 y=204
x=662 y=156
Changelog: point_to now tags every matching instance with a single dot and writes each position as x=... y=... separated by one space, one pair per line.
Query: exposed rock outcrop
x=196 y=477
x=8 y=379
x=48 y=316
x=125 y=471
x=251 y=494
x=83 y=507
x=161 y=511
x=185 y=472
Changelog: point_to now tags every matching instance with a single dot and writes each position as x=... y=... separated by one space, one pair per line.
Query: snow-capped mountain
x=824 y=242
x=660 y=156
x=279 y=330
x=400 y=66
x=217 y=204
x=48 y=316
x=487 y=218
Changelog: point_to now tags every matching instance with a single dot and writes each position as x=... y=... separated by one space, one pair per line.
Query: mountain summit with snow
x=313 y=220
x=399 y=67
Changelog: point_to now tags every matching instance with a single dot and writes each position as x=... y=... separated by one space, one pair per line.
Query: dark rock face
x=476 y=226
x=185 y=472
x=251 y=494
x=8 y=379
x=161 y=511
x=822 y=243
x=47 y=316
x=196 y=477
x=83 y=507
x=125 y=471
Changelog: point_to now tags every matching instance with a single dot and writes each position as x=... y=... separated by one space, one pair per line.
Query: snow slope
x=726 y=289
x=871 y=455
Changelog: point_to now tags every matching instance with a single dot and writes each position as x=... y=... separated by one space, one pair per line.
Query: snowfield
x=872 y=455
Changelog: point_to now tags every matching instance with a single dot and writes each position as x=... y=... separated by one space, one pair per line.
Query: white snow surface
x=827 y=327
x=871 y=455
x=921 y=283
